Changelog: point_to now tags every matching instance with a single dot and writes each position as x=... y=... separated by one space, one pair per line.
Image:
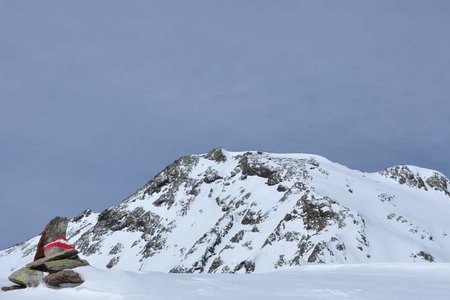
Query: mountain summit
x=243 y=212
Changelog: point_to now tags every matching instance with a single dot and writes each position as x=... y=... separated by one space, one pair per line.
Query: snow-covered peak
x=254 y=211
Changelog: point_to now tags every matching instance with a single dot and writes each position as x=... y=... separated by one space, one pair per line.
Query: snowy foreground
x=364 y=281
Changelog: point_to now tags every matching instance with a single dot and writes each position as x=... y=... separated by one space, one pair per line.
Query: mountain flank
x=244 y=212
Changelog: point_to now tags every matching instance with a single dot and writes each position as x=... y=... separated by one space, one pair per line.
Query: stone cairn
x=53 y=261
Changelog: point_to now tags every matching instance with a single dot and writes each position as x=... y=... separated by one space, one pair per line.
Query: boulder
x=12 y=288
x=61 y=255
x=65 y=278
x=62 y=264
x=26 y=277
x=55 y=229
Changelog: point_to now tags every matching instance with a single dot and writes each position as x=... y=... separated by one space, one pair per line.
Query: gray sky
x=98 y=96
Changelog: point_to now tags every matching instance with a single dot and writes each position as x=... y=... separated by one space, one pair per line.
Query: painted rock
x=53 y=231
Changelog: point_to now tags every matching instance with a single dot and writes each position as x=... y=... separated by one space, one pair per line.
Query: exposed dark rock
x=403 y=175
x=156 y=239
x=64 y=278
x=211 y=176
x=385 y=197
x=84 y=214
x=425 y=256
x=175 y=173
x=116 y=249
x=254 y=168
x=157 y=184
x=281 y=188
x=212 y=239
x=317 y=214
x=215 y=265
x=340 y=247
x=313 y=162
x=247 y=265
x=114 y=219
x=164 y=199
x=26 y=277
x=216 y=155
x=439 y=183
x=421 y=183
x=251 y=218
x=281 y=262
x=274 y=179
x=180 y=269
x=237 y=237
x=113 y=262
x=304 y=246
x=315 y=255
x=195 y=190
x=287 y=217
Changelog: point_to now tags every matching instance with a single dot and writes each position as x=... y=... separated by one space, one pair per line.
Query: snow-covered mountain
x=239 y=212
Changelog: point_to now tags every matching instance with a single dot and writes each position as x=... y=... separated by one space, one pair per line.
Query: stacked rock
x=55 y=256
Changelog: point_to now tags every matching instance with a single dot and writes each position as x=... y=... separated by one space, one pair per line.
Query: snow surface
x=357 y=281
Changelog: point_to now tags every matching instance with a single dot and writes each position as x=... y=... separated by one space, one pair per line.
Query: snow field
x=356 y=281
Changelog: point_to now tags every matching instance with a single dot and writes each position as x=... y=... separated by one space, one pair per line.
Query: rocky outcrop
x=404 y=175
x=216 y=155
x=439 y=183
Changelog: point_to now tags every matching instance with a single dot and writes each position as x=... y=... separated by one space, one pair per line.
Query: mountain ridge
x=244 y=212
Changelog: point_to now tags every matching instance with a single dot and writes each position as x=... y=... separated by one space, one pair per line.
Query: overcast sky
x=97 y=96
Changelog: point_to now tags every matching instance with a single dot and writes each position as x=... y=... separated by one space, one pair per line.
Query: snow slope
x=368 y=281
x=244 y=212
